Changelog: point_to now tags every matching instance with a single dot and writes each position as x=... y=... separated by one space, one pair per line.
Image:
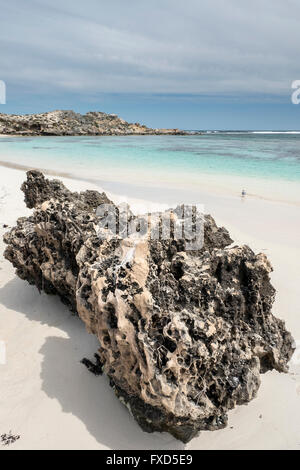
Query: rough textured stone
x=184 y=335
x=70 y=123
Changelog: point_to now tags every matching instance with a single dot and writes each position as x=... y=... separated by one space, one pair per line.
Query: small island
x=60 y=123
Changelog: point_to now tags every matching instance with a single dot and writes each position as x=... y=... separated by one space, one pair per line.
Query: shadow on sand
x=79 y=392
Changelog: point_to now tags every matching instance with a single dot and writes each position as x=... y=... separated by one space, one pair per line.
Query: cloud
x=165 y=46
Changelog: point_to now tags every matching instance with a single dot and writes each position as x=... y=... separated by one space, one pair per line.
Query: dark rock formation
x=70 y=123
x=184 y=335
x=8 y=438
x=95 y=367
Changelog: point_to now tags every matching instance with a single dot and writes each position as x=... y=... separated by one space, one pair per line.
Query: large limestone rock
x=69 y=123
x=184 y=335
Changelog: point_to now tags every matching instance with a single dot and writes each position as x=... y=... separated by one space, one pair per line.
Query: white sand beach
x=51 y=400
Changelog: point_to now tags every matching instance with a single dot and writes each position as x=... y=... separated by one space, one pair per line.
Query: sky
x=210 y=64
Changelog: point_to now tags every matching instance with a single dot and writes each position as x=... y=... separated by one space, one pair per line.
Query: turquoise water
x=267 y=156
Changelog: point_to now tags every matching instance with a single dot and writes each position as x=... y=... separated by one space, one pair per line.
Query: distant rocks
x=62 y=123
x=183 y=335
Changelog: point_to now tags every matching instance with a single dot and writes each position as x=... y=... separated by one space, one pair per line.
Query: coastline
x=176 y=190
x=46 y=391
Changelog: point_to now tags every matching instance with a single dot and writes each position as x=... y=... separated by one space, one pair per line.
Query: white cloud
x=216 y=46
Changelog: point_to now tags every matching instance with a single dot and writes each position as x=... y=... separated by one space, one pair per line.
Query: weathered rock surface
x=70 y=123
x=184 y=335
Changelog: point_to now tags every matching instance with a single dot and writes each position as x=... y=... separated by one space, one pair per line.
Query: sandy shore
x=154 y=185
x=51 y=400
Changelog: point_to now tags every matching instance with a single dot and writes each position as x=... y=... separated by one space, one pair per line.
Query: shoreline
x=158 y=134
x=208 y=188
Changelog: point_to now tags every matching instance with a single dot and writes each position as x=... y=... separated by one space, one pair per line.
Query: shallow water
x=163 y=160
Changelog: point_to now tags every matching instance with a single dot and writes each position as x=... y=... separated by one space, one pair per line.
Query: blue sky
x=214 y=64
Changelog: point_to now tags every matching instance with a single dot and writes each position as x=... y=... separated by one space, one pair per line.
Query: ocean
x=260 y=162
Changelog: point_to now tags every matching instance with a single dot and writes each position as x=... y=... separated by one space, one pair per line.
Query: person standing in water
x=243 y=193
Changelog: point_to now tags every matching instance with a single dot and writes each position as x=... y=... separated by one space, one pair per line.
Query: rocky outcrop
x=61 y=123
x=184 y=335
